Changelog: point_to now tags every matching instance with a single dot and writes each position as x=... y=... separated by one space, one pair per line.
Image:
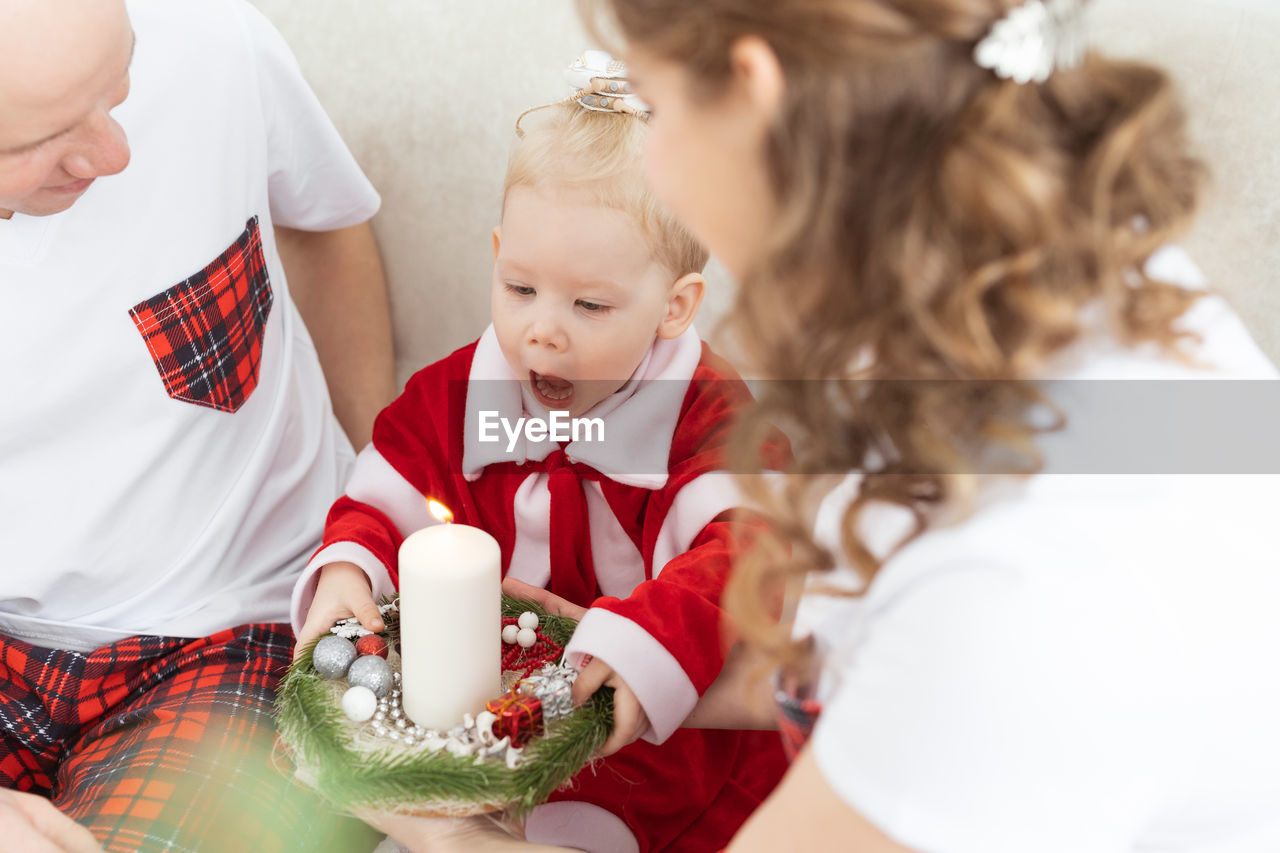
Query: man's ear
x=497 y=240
x=758 y=75
x=682 y=305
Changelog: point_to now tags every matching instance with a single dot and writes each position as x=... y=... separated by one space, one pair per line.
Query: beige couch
x=426 y=93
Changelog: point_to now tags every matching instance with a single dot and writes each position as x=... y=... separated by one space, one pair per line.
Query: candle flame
x=439 y=511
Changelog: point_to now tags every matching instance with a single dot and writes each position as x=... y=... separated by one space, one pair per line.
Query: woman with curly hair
x=949 y=221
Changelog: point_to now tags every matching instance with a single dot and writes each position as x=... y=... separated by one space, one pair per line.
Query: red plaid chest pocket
x=205 y=334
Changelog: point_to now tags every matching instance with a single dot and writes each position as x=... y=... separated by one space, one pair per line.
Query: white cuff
x=695 y=506
x=304 y=591
x=653 y=674
x=583 y=826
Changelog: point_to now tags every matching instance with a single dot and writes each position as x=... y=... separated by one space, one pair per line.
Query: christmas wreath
x=362 y=756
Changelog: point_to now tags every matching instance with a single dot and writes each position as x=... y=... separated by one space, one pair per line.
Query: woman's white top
x=1088 y=664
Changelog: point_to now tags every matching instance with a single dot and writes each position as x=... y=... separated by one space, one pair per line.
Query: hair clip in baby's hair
x=599 y=83
x=1034 y=40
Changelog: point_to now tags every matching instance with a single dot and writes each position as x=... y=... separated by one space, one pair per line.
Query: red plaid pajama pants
x=161 y=743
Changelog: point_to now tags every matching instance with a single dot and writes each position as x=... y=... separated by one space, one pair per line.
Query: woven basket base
x=446 y=810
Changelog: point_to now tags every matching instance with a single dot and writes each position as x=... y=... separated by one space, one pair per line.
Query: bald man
x=168 y=442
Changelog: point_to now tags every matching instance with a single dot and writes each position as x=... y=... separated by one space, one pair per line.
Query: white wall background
x=1225 y=54
x=426 y=93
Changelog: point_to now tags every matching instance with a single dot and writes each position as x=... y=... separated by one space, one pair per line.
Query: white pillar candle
x=450 y=623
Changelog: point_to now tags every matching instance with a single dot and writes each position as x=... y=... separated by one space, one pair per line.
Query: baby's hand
x=629 y=719
x=342 y=591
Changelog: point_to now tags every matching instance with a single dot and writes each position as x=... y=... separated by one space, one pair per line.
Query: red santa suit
x=634 y=523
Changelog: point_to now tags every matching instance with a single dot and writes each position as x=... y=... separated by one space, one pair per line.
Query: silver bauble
x=373 y=672
x=332 y=656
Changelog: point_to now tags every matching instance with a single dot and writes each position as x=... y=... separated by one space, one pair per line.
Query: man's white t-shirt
x=1088 y=664
x=168 y=450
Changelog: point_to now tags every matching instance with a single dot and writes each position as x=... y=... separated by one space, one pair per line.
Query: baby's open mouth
x=551 y=388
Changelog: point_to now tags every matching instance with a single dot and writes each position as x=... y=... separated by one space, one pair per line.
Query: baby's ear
x=682 y=305
x=497 y=240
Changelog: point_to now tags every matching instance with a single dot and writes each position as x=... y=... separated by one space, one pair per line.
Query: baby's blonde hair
x=569 y=146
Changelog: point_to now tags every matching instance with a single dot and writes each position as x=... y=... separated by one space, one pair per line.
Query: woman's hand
x=439 y=834
x=32 y=824
x=342 y=591
x=483 y=834
x=549 y=601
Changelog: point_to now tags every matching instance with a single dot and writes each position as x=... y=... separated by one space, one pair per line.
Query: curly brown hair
x=937 y=223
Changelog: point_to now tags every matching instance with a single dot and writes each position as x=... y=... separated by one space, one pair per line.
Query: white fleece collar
x=639 y=418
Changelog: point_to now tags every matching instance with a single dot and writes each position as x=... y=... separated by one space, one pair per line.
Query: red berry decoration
x=517 y=658
x=372 y=644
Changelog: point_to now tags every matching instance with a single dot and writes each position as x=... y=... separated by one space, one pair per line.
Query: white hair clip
x=600 y=83
x=1033 y=40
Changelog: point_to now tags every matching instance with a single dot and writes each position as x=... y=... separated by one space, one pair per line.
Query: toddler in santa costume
x=593 y=297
